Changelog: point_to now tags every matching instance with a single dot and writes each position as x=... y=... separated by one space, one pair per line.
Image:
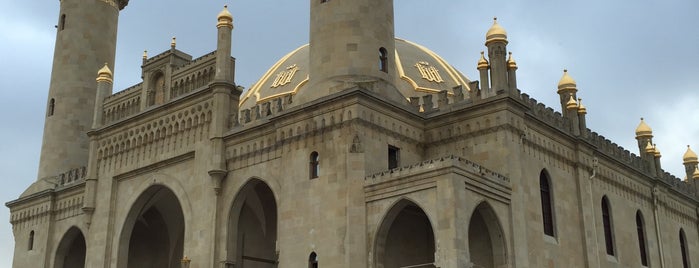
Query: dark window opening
x=641 y=239
x=393 y=157
x=383 y=60
x=546 y=204
x=314 y=167
x=52 y=106
x=313 y=260
x=683 y=249
x=607 y=223
x=323 y=1
x=30 y=244
x=62 y=23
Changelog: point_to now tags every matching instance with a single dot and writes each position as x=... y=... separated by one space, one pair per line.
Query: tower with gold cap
x=85 y=40
x=690 y=161
x=496 y=41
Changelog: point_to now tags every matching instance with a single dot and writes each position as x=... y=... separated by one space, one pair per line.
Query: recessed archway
x=405 y=238
x=486 y=242
x=253 y=227
x=153 y=234
x=71 y=250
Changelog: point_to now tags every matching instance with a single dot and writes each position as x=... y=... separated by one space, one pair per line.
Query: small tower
x=496 y=41
x=512 y=73
x=690 y=161
x=582 y=113
x=644 y=136
x=351 y=41
x=483 y=67
x=567 y=88
x=86 y=39
x=572 y=113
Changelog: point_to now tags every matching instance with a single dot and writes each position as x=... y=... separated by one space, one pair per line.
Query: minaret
x=690 y=161
x=496 y=41
x=86 y=39
x=483 y=67
x=512 y=73
x=567 y=88
x=582 y=112
x=644 y=136
x=351 y=41
x=572 y=111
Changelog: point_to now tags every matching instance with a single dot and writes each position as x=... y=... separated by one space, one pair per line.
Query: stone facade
x=359 y=169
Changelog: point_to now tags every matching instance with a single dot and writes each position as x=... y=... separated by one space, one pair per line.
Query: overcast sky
x=631 y=59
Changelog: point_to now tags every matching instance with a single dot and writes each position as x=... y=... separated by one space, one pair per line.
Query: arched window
x=62 y=23
x=313 y=260
x=323 y=1
x=684 y=249
x=641 y=238
x=546 y=203
x=30 y=243
x=607 y=223
x=383 y=60
x=314 y=165
x=52 y=105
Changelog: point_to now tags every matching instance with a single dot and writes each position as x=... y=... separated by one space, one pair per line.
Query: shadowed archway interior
x=253 y=225
x=155 y=230
x=485 y=239
x=71 y=250
x=405 y=238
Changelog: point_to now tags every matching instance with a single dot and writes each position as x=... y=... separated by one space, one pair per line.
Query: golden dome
x=695 y=175
x=643 y=130
x=104 y=74
x=572 y=104
x=482 y=62
x=567 y=83
x=581 y=108
x=495 y=33
x=689 y=156
x=225 y=18
x=650 y=149
x=511 y=64
x=657 y=151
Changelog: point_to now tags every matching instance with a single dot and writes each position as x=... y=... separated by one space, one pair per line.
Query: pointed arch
x=547 y=205
x=608 y=227
x=684 y=249
x=153 y=234
x=252 y=226
x=405 y=237
x=641 y=233
x=71 y=251
x=486 y=239
x=313 y=260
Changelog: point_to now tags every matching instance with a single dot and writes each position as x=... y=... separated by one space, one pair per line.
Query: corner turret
x=690 y=161
x=496 y=41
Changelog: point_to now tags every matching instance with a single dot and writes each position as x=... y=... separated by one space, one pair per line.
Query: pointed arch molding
x=64 y=245
x=135 y=198
x=496 y=233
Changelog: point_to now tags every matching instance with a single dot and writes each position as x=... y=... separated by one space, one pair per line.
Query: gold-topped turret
x=105 y=74
x=145 y=54
x=689 y=156
x=482 y=62
x=657 y=151
x=581 y=107
x=695 y=175
x=567 y=82
x=643 y=130
x=225 y=18
x=495 y=33
x=572 y=104
x=650 y=149
x=173 y=43
x=511 y=64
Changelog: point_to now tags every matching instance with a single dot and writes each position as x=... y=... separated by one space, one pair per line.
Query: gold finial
x=657 y=151
x=495 y=33
x=650 y=149
x=567 y=83
x=225 y=19
x=643 y=130
x=482 y=62
x=145 y=54
x=186 y=260
x=690 y=157
x=104 y=74
x=511 y=62
x=572 y=104
x=581 y=108
x=173 y=43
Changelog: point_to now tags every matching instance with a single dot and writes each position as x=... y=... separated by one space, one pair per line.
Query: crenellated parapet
x=122 y=104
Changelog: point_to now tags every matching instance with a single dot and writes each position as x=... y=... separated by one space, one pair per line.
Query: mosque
x=359 y=149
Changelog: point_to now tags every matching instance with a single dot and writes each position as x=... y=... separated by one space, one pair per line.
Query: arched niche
x=405 y=238
x=486 y=241
x=153 y=234
x=71 y=250
x=252 y=226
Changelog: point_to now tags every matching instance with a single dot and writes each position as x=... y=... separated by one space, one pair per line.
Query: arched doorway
x=405 y=238
x=486 y=242
x=71 y=250
x=153 y=234
x=252 y=237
